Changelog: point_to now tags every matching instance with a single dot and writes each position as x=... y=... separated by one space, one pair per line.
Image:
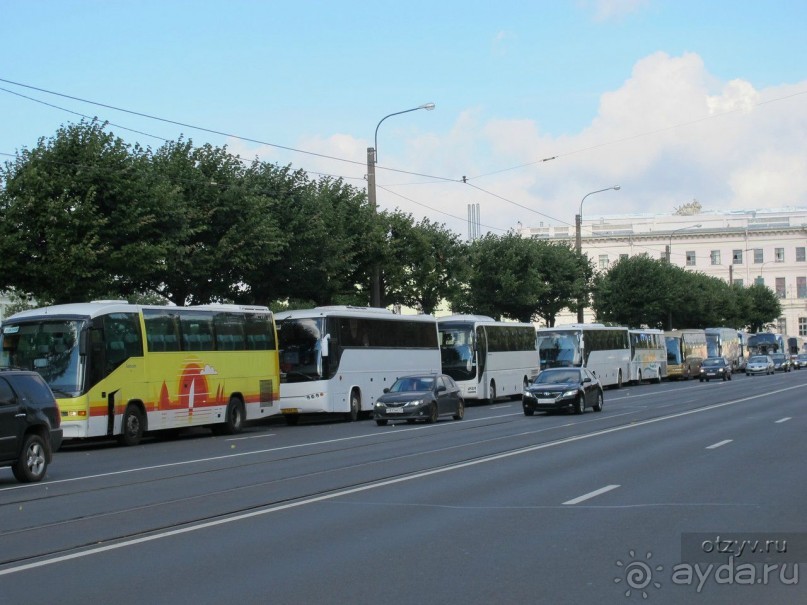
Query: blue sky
x=672 y=100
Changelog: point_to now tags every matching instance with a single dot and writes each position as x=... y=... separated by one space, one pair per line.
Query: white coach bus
x=487 y=358
x=339 y=360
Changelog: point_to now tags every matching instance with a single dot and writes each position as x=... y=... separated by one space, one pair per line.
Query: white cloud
x=605 y=10
x=672 y=132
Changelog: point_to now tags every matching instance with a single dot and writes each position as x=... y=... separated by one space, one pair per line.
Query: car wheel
x=134 y=425
x=460 y=410
x=580 y=405
x=701 y=379
x=433 y=413
x=33 y=460
x=529 y=412
x=381 y=422
x=598 y=405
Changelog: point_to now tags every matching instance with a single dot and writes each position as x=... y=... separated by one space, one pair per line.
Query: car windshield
x=557 y=376
x=777 y=356
x=412 y=383
x=758 y=359
x=713 y=362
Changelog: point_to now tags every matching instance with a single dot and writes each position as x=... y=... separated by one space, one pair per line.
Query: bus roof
x=104 y=307
x=350 y=311
x=479 y=319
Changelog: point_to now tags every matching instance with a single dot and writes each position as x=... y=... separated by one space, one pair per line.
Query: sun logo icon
x=638 y=575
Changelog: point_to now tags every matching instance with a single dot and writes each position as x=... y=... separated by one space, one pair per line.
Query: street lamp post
x=669 y=246
x=578 y=239
x=372 y=158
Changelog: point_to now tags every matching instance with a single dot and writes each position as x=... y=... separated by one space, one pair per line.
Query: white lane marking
x=785 y=419
x=499 y=407
x=719 y=444
x=375 y=485
x=591 y=495
x=251 y=437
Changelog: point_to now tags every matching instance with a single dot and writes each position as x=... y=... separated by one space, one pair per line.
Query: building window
x=780 y=287
x=780 y=255
x=738 y=282
x=801 y=287
x=781 y=325
x=759 y=281
x=603 y=261
x=691 y=258
x=759 y=257
x=800 y=254
x=715 y=257
x=737 y=257
x=802 y=326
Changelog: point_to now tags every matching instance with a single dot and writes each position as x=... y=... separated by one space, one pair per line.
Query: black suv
x=29 y=424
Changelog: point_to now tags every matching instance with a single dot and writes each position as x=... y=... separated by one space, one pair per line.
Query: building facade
x=743 y=247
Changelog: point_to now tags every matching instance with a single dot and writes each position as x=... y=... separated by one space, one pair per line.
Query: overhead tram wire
x=216 y=132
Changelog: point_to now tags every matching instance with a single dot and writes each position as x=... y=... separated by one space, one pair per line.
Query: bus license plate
x=289 y=411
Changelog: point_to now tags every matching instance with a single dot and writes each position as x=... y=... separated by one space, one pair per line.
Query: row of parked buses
x=118 y=369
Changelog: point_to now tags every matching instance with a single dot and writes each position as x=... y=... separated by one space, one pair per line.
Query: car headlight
x=415 y=402
x=378 y=404
x=569 y=394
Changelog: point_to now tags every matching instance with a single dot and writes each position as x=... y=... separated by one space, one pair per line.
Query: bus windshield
x=49 y=347
x=457 y=350
x=673 y=350
x=300 y=342
x=560 y=350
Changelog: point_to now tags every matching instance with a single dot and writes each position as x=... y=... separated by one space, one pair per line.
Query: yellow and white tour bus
x=119 y=369
x=648 y=355
x=686 y=350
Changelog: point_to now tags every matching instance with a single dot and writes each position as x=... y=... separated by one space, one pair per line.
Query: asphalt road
x=660 y=498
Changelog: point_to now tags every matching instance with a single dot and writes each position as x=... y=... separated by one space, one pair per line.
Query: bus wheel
x=492 y=391
x=619 y=380
x=355 y=407
x=233 y=419
x=134 y=425
x=657 y=379
x=640 y=378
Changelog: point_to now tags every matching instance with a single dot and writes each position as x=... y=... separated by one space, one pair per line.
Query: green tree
x=75 y=219
x=424 y=262
x=566 y=274
x=506 y=278
x=635 y=291
x=215 y=229
x=763 y=307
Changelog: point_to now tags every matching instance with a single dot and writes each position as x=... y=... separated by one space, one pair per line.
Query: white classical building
x=743 y=247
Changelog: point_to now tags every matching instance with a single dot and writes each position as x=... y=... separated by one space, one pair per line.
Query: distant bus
x=765 y=343
x=795 y=345
x=338 y=360
x=602 y=349
x=487 y=358
x=686 y=350
x=119 y=370
x=725 y=342
x=648 y=355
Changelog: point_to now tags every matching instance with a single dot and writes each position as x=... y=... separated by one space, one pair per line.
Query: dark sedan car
x=554 y=389
x=715 y=367
x=423 y=397
x=781 y=362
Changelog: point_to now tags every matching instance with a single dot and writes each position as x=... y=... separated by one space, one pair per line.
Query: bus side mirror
x=82 y=341
x=324 y=350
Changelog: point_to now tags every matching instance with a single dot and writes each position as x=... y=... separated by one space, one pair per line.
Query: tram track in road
x=159 y=518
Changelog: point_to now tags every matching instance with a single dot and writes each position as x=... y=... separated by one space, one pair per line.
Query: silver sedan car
x=759 y=364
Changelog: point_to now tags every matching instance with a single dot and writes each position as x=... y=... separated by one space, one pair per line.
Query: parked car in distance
x=781 y=362
x=759 y=364
x=800 y=361
x=29 y=424
x=572 y=389
x=421 y=397
x=715 y=367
